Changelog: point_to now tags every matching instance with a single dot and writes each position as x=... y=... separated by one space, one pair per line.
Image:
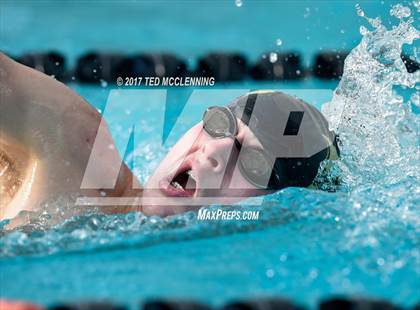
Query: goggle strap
x=249 y=108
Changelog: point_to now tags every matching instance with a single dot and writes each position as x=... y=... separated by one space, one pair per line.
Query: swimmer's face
x=197 y=171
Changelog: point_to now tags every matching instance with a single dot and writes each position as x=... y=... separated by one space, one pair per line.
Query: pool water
x=360 y=240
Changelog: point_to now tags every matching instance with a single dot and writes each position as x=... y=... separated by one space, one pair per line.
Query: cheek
x=187 y=141
x=238 y=181
x=177 y=153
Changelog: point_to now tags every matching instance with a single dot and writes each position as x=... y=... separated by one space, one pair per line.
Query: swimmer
x=259 y=143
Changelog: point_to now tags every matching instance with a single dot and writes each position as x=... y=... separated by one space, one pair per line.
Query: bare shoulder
x=59 y=129
x=22 y=84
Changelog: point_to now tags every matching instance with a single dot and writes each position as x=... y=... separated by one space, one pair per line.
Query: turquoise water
x=361 y=240
x=188 y=28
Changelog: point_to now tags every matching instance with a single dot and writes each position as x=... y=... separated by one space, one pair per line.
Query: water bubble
x=269 y=273
x=416 y=4
x=273 y=57
x=307 y=13
x=79 y=234
x=238 y=3
x=313 y=273
x=363 y=30
x=399 y=264
x=104 y=83
x=415 y=99
x=279 y=42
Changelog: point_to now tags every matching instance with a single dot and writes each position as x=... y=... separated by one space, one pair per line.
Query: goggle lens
x=219 y=122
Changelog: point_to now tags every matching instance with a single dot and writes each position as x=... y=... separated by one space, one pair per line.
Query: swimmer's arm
x=54 y=122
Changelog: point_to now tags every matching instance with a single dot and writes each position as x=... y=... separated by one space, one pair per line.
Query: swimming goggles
x=254 y=164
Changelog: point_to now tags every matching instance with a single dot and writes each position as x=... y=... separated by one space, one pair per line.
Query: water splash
x=377 y=128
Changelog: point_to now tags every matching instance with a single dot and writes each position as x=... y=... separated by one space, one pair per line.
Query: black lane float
x=50 y=63
x=278 y=66
x=153 y=64
x=329 y=65
x=223 y=66
x=97 y=66
x=264 y=303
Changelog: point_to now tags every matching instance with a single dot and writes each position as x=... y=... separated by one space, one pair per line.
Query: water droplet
x=104 y=83
x=273 y=57
x=363 y=30
x=400 y=11
x=269 y=273
x=307 y=13
x=279 y=42
x=398 y=264
x=238 y=3
x=359 y=10
x=313 y=274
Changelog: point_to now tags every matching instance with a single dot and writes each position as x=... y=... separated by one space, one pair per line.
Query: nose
x=214 y=154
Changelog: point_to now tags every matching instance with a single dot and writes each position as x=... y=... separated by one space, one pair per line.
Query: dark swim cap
x=290 y=130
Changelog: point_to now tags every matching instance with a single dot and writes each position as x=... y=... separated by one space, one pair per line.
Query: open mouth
x=182 y=184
